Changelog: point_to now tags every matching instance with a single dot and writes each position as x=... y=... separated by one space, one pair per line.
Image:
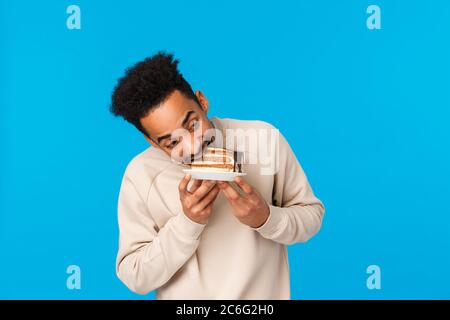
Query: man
x=202 y=239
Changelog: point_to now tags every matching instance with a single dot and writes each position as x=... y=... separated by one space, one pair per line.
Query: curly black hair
x=147 y=84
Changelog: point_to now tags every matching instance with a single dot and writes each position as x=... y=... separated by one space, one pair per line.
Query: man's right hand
x=197 y=202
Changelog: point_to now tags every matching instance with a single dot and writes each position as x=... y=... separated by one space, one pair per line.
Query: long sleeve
x=295 y=213
x=148 y=256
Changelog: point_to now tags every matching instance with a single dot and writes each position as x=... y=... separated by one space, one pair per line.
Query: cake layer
x=212 y=158
x=217 y=159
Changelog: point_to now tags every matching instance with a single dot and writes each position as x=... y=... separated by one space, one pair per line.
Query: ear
x=151 y=142
x=204 y=104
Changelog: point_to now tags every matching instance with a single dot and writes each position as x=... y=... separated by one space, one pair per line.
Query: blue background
x=366 y=111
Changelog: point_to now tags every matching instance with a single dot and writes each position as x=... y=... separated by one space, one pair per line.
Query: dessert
x=218 y=160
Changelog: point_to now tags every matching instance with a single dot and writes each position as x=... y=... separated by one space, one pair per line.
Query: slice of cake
x=218 y=160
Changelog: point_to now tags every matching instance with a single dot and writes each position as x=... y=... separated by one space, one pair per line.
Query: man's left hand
x=250 y=208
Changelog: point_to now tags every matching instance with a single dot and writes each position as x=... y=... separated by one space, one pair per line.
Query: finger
x=229 y=191
x=195 y=185
x=206 y=186
x=183 y=183
x=244 y=185
x=207 y=210
x=207 y=200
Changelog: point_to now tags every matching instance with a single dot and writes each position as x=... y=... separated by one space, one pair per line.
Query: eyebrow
x=185 y=120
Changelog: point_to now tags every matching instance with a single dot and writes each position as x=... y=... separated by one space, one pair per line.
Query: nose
x=192 y=146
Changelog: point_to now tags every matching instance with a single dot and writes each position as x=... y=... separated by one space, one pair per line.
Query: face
x=179 y=126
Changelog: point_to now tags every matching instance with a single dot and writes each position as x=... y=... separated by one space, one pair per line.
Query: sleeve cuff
x=187 y=227
x=272 y=224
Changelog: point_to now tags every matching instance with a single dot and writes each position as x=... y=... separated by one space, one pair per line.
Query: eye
x=195 y=125
x=172 y=144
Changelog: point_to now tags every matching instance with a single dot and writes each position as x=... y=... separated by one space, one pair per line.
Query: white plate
x=219 y=176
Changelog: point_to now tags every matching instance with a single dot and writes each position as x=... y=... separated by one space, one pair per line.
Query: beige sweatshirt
x=161 y=248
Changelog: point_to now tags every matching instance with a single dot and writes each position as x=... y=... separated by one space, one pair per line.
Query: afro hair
x=146 y=85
